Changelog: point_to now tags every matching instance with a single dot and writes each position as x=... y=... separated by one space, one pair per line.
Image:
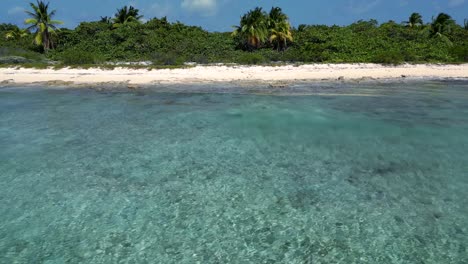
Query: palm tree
x=125 y=15
x=441 y=25
x=106 y=20
x=280 y=35
x=279 y=28
x=253 y=29
x=301 y=27
x=16 y=33
x=275 y=16
x=415 y=20
x=42 y=21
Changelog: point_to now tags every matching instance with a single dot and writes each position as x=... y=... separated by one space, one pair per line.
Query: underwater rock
x=398 y=219
x=420 y=239
x=437 y=215
x=386 y=169
x=459 y=231
x=380 y=195
x=302 y=199
x=352 y=179
x=168 y=102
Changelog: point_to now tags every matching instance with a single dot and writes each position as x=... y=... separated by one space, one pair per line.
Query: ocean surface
x=319 y=173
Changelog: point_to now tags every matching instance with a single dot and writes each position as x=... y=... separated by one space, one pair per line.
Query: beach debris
x=278 y=85
x=58 y=83
x=132 y=86
x=341 y=78
x=403 y=76
x=8 y=81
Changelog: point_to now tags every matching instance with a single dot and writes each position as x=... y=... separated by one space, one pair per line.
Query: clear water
x=371 y=173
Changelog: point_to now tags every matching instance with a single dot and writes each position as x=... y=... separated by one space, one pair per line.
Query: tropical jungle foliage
x=256 y=27
x=126 y=15
x=415 y=20
x=41 y=21
x=260 y=37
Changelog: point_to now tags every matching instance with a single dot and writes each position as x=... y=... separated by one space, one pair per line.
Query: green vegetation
x=41 y=20
x=253 y=30
x=415 y=20
x=260 y=38
x=256 y=27
x=442 y=25
x=279 y=29
x=125 y=15
x=16 y=33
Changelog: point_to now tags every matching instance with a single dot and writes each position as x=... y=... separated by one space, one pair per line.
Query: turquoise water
x=323 y=173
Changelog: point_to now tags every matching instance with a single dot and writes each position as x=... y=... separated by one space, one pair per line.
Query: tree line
x=260 y=37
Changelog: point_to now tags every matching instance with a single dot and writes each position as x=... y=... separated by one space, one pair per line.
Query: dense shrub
x=20 y=52
x=251 y=58
x=169 y=58
x=166 y=43
x=388 y=57
x=460 y=53
x=78 y=57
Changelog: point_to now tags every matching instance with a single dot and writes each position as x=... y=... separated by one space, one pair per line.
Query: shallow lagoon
x=322 y=173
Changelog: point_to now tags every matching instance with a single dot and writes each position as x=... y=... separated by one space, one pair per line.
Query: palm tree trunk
x=45 y=40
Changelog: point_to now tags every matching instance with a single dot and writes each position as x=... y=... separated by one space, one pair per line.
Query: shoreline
x=275 y=76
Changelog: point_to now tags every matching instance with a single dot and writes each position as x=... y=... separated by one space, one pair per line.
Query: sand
x=213 y=74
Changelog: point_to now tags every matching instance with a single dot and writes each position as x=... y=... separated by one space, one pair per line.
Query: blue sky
x=220 y=15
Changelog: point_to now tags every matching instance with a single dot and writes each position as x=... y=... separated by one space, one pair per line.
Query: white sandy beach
x=204 y=74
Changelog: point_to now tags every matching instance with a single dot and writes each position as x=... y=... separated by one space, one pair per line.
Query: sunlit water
x=372 y=173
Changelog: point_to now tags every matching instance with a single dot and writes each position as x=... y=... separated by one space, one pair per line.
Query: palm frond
x=41 y=20
x=56 y=22
x=38 y=39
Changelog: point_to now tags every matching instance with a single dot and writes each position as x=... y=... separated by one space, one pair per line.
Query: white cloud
x=455 y=3
x=361 y=7
x=203 y=7
x=16 y=10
